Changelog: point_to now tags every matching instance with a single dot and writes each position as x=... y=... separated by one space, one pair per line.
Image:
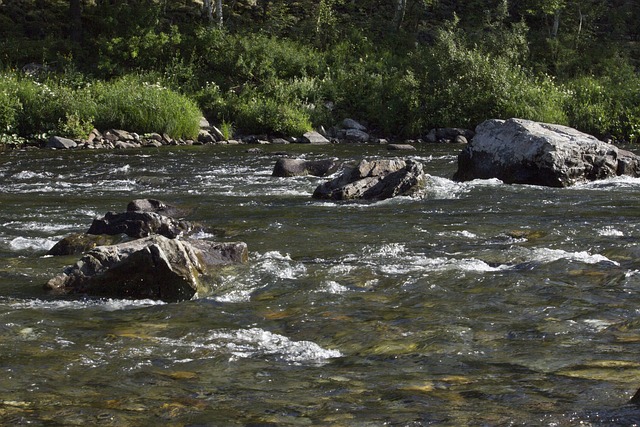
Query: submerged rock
x=520 y=151
x=374 y=180
x=154 y=267
x=299 y=167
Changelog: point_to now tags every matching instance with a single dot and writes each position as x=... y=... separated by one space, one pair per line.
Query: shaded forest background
x=283 y=67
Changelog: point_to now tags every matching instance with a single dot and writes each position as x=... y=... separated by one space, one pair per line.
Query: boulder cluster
x=142 y=254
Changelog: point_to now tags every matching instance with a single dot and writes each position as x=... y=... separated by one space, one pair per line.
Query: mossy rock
x=80 y=243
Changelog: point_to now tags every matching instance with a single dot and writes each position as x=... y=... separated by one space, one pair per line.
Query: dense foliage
x=282 y=67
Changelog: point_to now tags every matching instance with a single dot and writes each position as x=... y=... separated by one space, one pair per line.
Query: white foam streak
x=610 y=232
x=106 y=304
x=549 y=255
x=31 y=244
x=258 y=342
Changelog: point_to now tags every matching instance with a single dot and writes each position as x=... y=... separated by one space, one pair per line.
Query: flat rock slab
x=519 y=151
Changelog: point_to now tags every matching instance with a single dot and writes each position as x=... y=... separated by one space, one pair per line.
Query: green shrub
x=465 y=86
x=10 y=105
x=255 y=113
x=211 y=102
x=235 y=60
x=607 y=105
x=48 y=107
x=133 y=104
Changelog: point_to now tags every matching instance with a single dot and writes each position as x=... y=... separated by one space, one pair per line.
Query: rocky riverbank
x=349 y=131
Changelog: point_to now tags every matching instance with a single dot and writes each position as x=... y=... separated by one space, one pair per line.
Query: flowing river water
x=476 y=303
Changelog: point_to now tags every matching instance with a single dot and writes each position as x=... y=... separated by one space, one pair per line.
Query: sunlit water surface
x=474 y=304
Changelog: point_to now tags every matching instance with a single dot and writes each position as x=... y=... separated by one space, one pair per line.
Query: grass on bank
x=34 y=108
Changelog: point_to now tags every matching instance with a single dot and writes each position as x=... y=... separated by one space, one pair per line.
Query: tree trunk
x=401 y=6
x=556 y=24
x=219 y=13
x=75 y=15
x=207 y=10
x=581 y=16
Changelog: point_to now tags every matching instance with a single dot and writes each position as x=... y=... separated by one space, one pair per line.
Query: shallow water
x=475 y=304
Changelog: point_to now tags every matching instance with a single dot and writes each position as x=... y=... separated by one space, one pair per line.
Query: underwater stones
x=519 y=151
x=374 y=180
x=154 y=267
x=401 y=147
x=285 y=167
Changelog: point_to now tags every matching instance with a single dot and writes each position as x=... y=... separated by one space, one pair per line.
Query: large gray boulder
x=285 y=167
x=374 y=180
x=154 y=267
x=520 y=151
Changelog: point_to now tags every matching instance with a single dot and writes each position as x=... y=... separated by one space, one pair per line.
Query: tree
x=208 y=12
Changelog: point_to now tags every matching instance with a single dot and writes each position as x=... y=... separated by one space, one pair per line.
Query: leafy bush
x=48 y=107
x=133 y=104
x=607 y=105
x=10 y=105
x=465 y=86
x=254 y=113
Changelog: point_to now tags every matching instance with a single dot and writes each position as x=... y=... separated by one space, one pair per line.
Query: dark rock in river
x=153 y=205
x=154 y=267
x=139 y=224
x=448 y=135
x=299 y=167
x=520 y=151
x=374 y=180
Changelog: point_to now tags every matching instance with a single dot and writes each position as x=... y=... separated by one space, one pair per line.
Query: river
x=477 y=303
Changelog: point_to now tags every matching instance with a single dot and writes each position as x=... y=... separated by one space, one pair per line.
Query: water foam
x=280 y=266
x=547 y=255
x=31 y=244
x=610 y=232
x=252 y=342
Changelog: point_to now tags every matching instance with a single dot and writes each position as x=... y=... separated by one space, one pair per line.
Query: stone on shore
x=519 y=151
x=374 y=180
x=314 y=137
x=61 y=143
